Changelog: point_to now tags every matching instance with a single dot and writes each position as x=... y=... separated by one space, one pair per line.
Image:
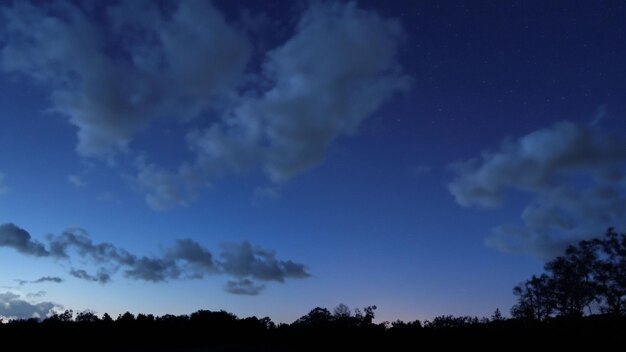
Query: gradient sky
x=269 y=157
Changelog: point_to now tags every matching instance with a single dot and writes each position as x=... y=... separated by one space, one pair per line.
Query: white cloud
x=114 y=69
x=171 y=66
x=337 y=70
x=574 y=175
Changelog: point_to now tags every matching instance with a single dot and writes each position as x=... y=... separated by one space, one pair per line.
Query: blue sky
x=421 y=156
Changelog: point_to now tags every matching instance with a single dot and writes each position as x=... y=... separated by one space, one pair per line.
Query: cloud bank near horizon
x=13 y=306
x=186 y=259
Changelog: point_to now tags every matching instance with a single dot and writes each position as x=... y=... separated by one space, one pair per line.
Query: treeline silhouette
x=578 y=302
x=318 y=330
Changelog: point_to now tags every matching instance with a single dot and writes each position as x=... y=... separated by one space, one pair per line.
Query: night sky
x=269 y=157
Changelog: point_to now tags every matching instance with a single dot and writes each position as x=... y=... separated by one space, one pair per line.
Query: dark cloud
x=13 y=307
x=337 y=69
x=153 y=269
x=243 y=287
x=79 y=240
x=194 y=254
x=101 y=276
x=142 y=268
x=42 y=279
x=20 y=240
x=243 y=260
x=187 y=259
x=48 y=279
x=574 y=175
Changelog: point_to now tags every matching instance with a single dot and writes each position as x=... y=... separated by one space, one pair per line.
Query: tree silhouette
x=86 y=317
x=318 y=330
x=342 y=311
x=590 y=271
x=369 y=314
x=145 y=318
x=610 y=272
x=497 y=315
x=127 y=317
x=317 y=316
x=535 y=299
x=452 y=322
x=571 y=283
x=64 y=317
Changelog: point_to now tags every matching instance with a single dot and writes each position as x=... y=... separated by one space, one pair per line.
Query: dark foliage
x=316 y=331
x=589 y=278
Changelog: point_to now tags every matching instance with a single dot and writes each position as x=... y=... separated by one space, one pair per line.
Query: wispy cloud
x=37 y=294
x=53 y=279
x=600 y=115
x=243 y=287
x=76 y=181
x=101 y=276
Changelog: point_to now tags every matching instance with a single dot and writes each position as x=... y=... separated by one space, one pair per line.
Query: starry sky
x=269 y=157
